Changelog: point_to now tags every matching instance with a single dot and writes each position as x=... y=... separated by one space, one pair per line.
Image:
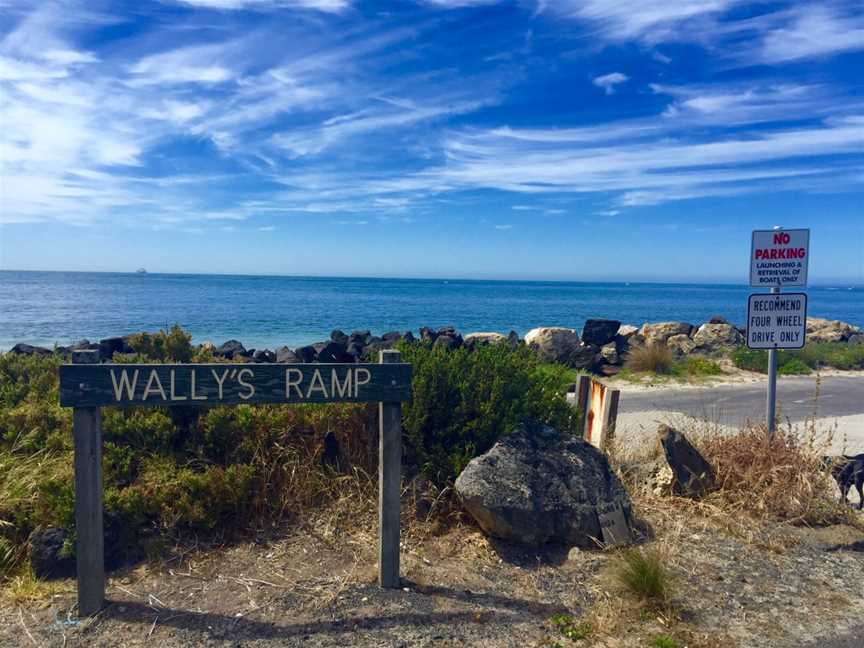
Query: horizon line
x=847 y=282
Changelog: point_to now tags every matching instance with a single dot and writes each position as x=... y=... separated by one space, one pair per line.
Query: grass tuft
x=644 y=573
x=656 y=358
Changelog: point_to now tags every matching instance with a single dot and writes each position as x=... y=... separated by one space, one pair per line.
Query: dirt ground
x=313 y=584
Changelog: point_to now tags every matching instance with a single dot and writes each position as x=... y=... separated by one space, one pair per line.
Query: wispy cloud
x=609 y=81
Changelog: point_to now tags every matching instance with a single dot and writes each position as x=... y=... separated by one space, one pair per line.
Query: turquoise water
x=60 y=307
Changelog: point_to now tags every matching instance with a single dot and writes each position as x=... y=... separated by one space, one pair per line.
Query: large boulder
x=339 y=336
x=448 y=341
x=693 y=474
x=306 y=353
x=537 y=486
x=717 y=337
x=474 y=340
x=553 y=343
x=109 y=346
x=600 y=331
x=28 y=350
x=264 y=355
x=334 y=352
x=660 y=332
x=823 y=330
x=229 y=350
x=284 y=355
x=681 y=344
x=610 y=355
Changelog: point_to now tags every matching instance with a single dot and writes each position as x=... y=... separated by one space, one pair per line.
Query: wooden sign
x=135 y=385
x=613 y=525
x=87 y=386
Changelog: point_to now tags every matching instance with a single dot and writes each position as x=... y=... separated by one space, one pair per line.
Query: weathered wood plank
x=389 y=483
x=135 y=385
x=89 y=550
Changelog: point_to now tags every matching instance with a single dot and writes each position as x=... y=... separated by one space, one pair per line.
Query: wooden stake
x=389 y=483
x=87 y=436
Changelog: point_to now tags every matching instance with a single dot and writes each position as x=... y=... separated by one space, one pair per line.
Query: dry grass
x=657 y=358
x=783 y=478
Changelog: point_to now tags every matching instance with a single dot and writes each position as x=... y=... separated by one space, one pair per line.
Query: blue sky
x=592 y=139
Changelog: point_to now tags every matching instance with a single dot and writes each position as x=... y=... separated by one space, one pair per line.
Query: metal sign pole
x=772 y=384
x=771 y=409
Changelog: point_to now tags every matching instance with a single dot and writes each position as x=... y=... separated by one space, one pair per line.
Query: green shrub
x=664 y=641
x=696 y=367
x=464 y=401
x=840 y=355
x=174 y=345
x=656 y=358
x=792 y=367
x=815 y=355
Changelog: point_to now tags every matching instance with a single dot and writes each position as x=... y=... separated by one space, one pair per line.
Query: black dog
x=846 y=471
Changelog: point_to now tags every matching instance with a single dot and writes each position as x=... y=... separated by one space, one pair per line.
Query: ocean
x=47 y=308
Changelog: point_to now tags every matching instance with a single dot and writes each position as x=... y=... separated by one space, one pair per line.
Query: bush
x=815 y=355
x=792 y=367
x=653 y=357
x=225 y=471
x=643 y=572
x=464 y=401
x=783 y=478
x=696 y=367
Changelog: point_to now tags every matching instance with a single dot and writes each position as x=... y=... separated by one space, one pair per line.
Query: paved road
x=734 y=404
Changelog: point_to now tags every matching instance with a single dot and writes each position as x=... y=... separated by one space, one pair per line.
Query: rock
x=391 y=336
x=427 y=334
x=83 y=345
x=28 y=350
x=654 y=476
x=600 y=331
x=230 y=349
x=109 y=346
x=693 y=474
x=355 y=351
x=585 y=356
x=447 y=330
x=661 y=331
x=264 y=355
x=513 y=339
x=610 y=370
x=823 y=330
x=473 y=340
x=339 y=337
x=681 y=344
x=718 y=336
x=46 y=547
x=408 y=336
x=609 y=353
x=856 y=338
x=537 y=486
x=717 y=319
x=306 y=353
x=333 y=352
x=285 y=355
x=448 y=341
x=626 y=330
x=554 y=344
x=360 y=337
x=207 y=346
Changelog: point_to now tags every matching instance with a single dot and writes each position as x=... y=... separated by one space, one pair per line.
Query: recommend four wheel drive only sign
x=776 y=321
x=779 y=258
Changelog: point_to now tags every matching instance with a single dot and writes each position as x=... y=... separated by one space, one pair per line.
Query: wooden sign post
x=86 y=386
